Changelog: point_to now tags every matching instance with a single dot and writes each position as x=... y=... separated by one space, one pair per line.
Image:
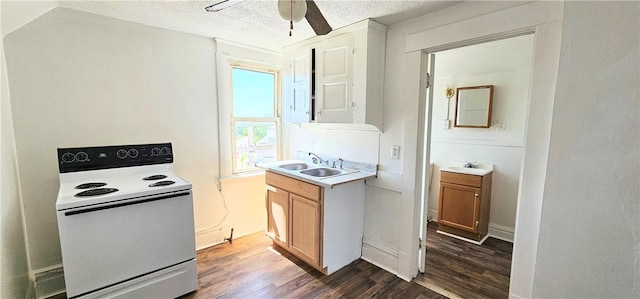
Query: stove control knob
x=68 y=157
x=155 y=151
x=121 y=153
x=82 y=157
x=166 y=151
x=133 y=153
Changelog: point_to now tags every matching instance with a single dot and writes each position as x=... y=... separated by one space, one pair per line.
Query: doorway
x=507 y=65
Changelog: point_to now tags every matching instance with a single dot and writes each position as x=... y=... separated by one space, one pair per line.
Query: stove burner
x=162 y=183
x=90 y=185
x=155 y=177
x=96 y=191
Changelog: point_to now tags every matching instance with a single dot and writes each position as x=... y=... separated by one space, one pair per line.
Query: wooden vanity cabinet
x=464 y=204
x=300 y=214
x=294 y=219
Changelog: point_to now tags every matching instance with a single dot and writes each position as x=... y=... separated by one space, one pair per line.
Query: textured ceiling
x=254 y=22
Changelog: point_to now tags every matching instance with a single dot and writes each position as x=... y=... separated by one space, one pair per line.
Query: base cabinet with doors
x=336 y=78
x=464 y=204
x=321 y=226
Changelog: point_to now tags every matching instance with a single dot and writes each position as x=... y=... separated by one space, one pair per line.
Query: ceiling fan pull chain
x=291 y=20
x=290 y=28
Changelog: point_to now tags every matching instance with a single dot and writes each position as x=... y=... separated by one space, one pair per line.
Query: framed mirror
x=473 y=106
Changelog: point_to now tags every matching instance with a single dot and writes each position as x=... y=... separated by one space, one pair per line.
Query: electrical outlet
x=500 y=125
x=445 y=124
x=395 y=152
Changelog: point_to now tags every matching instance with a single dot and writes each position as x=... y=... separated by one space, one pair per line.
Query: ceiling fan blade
x=316 y=19
x=222 y=4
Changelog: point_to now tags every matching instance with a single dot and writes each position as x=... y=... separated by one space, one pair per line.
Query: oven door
x=103 y=245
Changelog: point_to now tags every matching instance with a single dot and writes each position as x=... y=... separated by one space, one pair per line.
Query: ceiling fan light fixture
x=292 y=10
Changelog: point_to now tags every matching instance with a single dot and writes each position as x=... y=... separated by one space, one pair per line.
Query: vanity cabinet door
x=459 y=206
x=278 y=215
x=305 y=229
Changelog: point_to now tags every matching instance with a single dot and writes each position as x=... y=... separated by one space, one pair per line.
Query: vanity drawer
x=301 y=188
x=461 y=179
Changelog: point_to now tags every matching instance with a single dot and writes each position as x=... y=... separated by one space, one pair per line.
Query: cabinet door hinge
x=419 y=243
x=428 y=81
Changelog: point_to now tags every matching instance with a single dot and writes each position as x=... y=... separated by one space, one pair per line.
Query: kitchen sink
x=322 y=172
x=294 y=166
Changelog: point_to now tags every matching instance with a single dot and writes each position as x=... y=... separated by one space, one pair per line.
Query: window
x=255 y=119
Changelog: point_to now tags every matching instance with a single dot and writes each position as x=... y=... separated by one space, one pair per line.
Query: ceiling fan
x=290 y=10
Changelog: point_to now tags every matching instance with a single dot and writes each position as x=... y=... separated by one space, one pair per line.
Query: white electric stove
x=126 y=223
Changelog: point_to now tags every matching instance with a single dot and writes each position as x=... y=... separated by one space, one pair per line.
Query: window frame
x=276 y=113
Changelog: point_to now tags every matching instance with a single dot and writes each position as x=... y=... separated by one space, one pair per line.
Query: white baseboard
x=432 y=215
x=380 y=255
x=212 y=236
x=501 y=232
x=497 y=231
x=47 y=282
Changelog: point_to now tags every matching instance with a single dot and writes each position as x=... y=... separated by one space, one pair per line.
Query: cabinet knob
x=477 y=195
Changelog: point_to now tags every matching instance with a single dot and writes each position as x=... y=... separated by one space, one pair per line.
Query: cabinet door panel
x=278 y=215
x=459 y=206
x=334 y=80
x=305 y=229
x=301 y=85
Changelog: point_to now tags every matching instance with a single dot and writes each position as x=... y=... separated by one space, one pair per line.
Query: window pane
x=255 y=142
x=253 y=93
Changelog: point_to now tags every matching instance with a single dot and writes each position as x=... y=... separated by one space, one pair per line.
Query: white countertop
x=327 y=182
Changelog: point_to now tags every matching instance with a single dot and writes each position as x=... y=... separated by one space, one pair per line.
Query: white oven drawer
x=107 y=244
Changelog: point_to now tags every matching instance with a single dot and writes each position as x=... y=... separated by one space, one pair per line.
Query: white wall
x=13 y=258
x=14 y=276
x=78 y=79
x=506 y=64
x=589 y=243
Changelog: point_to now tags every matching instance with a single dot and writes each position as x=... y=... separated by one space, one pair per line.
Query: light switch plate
x=395 y=152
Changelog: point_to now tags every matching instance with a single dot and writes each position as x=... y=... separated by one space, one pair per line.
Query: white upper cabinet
x=337 y=78
x=334 y=79
x=300 y=86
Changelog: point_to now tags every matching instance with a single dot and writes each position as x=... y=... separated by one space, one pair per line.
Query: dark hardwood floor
x=460 y=269
x=252 y=267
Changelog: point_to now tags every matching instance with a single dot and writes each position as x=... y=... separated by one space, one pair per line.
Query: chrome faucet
x=340 y=160
x=317 y=159
x=469 y=165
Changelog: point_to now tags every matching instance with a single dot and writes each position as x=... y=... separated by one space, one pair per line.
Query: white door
x=334 y=80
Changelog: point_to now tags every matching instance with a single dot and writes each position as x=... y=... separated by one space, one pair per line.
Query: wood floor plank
x=465 y=269
x=252 y=267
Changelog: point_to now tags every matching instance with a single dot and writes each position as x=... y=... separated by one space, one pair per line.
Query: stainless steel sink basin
x=294 y=166
x=322 y=172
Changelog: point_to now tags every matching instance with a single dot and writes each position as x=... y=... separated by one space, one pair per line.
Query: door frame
x=544 y=19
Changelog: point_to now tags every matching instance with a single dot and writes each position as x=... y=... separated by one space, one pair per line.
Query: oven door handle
x=123 y=204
